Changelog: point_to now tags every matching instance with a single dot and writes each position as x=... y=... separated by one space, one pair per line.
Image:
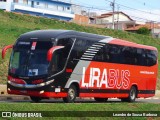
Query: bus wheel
x=71 y=94
x=35 y=99
x=132 y=95
x=101 y=99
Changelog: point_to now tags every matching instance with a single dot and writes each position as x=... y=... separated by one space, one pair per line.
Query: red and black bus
x=68 y=64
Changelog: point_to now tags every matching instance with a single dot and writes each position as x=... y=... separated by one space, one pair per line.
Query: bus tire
x=132 y=95
x=35 y=99
x=71 y=95
x=101 y=99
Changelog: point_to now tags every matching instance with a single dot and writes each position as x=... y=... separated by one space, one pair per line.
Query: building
x=154 y=29
x=46 y=8
x=81 y=19
x=121 y=20
x=81 y=15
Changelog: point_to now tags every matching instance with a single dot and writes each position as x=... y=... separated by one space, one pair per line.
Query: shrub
x=144 y=31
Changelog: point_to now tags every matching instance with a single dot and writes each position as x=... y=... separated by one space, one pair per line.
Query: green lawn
x=13 y=25
x=80 y=109
x=115 y=106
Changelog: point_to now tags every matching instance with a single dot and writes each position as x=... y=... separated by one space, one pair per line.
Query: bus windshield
x=26 y=61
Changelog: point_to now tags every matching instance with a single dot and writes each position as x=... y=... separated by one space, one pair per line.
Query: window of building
x=68 y=8
x=37 y=3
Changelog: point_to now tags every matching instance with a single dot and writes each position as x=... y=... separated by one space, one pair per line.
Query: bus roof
x=48 y=34
x=44 y=35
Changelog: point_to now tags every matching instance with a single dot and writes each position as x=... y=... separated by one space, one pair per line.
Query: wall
x=81 y=19
x=3 y=5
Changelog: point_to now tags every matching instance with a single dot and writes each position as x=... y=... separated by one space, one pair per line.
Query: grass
x=13 y=25
x=59 y=109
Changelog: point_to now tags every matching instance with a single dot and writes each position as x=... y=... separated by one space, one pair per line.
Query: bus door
x=61 y=55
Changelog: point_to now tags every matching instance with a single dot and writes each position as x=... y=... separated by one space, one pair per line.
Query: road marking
x=156 y=98
x=148 y=98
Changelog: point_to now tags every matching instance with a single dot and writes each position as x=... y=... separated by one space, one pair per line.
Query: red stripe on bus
x=103 y=95
x=131 y=44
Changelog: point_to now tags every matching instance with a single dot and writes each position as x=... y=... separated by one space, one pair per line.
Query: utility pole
x=118 y=17
x=113 y=8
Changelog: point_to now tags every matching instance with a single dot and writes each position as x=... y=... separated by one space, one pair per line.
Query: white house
x=122 y=21
x=47 y=8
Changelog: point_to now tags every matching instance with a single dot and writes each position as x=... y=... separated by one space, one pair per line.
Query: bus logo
x=109 y=78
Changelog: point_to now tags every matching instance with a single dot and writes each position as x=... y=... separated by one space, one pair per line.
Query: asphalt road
x=112 y=100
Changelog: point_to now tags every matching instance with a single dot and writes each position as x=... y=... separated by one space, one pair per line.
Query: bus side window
x=77 y=49
x=150 y=58
x=141 y=57
x=115 y=53
x=99 y=56
x=81 y=45
x=130 y=55
x=106 y=53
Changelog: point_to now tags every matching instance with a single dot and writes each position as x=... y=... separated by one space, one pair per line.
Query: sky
x=140 y=10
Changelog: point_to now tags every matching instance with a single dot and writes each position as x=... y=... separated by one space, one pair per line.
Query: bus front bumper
x=38 y=93
x=37 y=90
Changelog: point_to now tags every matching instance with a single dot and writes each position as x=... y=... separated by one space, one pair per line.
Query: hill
x=12 y=25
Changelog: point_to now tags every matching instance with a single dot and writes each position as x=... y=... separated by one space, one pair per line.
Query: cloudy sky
x=141 y=10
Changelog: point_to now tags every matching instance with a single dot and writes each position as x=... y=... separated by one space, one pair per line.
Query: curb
x=13 y=97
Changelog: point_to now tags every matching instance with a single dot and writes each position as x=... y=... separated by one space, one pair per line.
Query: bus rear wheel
x=101 y=99
x=35 y=99
x=132 y=95
x=71 y=95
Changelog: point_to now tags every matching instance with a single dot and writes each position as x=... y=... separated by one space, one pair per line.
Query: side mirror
x=4 y=50
x=51 y=51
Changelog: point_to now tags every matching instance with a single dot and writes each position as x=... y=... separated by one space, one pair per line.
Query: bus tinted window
x=130 y=55
x=126 y=55
x=81 y=45
x=60 y=56
x=150 y=57
x=114 y=53
x=99 y=56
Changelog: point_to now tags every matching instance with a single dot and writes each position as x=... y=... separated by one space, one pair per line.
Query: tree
x=144 y=31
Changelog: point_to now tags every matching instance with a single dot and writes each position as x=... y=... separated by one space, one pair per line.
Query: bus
x=68 y=64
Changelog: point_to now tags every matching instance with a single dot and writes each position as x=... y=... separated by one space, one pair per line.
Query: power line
x=144 y=3
x=134 y=8
x=91 y=7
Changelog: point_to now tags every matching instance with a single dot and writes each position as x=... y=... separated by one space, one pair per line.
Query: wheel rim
x=133 y=94
x=71 y=94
